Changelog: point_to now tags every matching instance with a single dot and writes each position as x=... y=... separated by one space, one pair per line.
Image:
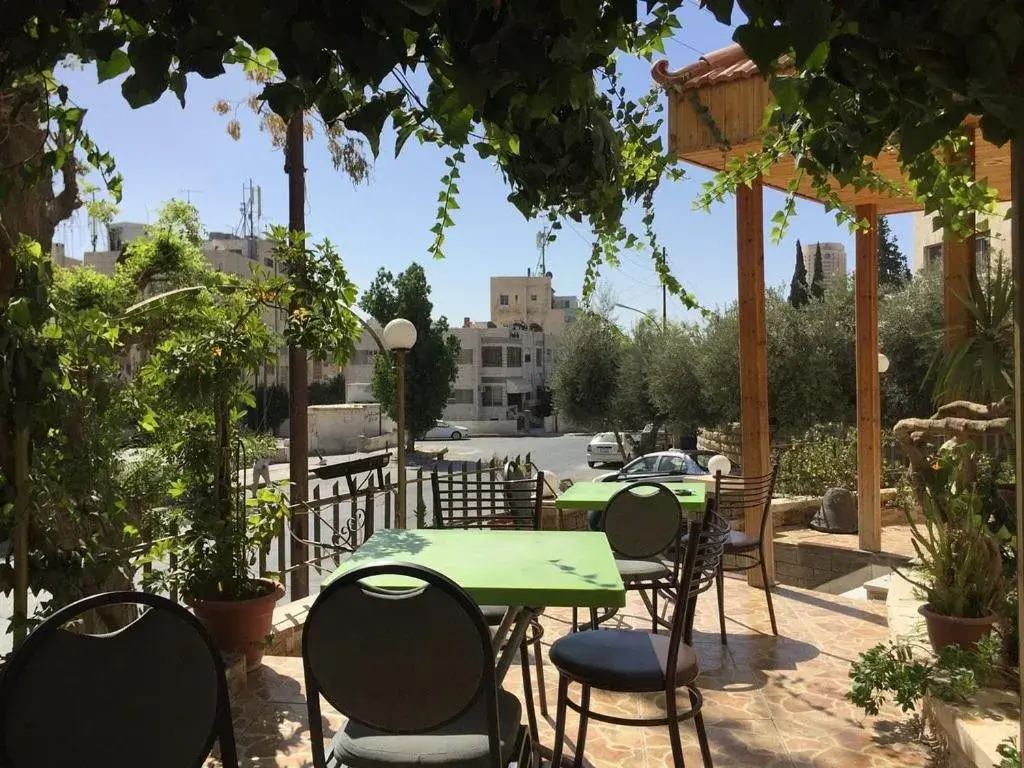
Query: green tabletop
x=595 y=496
x=539 y=569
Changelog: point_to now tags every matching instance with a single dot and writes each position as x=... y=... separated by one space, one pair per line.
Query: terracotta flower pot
x=241 y=626
x=953 y=630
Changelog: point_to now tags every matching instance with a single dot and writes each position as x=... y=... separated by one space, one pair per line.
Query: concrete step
x=878 y=589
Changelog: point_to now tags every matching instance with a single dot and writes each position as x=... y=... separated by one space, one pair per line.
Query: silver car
x=445 y=431
x=604 y=449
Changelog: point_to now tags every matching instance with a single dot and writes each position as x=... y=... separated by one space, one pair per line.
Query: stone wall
x=724 y=440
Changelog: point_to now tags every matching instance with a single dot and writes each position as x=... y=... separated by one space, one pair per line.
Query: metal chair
x=152 y=693
x=643 y=522
x=463 y=501
x=733 y=497
x=637 y=661
x=413 y=671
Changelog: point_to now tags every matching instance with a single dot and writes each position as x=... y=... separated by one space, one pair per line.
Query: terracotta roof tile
x=724 y=65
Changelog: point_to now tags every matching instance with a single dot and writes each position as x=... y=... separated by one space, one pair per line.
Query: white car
x=604 y=449
x=445 y=431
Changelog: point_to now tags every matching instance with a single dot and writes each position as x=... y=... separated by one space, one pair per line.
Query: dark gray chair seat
x=642 y=569
x=460 y=744
x=738 y=541
x=622 y=660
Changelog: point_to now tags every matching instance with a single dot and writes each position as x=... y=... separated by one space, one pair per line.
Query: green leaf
x=764 y=45
x=284 y=98
x=369 y=118
x=117 y=64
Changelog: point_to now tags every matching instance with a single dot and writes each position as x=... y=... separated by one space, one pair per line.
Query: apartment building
x=833 y=259
x=501 y=372
x=928 y=242
x=530 y=300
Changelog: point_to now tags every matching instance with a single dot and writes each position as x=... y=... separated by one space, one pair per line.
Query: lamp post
x=400 y=336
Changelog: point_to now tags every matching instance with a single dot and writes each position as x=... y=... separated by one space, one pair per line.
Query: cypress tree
x=818 y=276
x=798 y=290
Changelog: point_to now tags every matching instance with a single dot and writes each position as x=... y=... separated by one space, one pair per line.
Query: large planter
x=241 y=626
x=944 y=631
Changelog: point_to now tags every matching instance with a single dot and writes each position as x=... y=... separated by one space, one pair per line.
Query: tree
x=893 y=272
x=818 y=275
x=536 y=87
x=431 y=366
x=799 y=293
x=910 y=321
x=585 y=392
x=675 y=386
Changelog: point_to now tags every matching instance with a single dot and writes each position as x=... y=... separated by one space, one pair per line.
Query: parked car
x=663 y=465
x=604 y=449
x=445 y=431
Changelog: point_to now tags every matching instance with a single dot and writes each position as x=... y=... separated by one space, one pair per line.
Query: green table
x=541 y=569
x=595 y=496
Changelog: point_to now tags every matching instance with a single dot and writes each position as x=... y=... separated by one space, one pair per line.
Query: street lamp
x=400 y=336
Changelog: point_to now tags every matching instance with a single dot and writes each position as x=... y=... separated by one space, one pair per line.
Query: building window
x=982 y=253
x=533 y=297
x=933 y=254
x=540 y=357
x=514 y=357
x=466 y=356
x=364 y=356
x=490 y=357
x=461 y=397
x=527 y=397
x=503 y=300
x=527 y=358
x=492 y=396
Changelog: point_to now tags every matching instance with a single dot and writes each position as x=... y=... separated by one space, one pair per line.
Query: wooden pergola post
x=957 y=270
x=753 y=356
x=869 y=403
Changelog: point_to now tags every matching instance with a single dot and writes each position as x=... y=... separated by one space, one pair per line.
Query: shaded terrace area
x=769 y=701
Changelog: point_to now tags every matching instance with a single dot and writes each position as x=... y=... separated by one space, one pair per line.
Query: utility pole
x=664 y=308
x=298 y=386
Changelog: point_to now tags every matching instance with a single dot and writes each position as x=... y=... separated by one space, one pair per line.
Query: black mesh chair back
x=151 y=694
x=642 y=520
x=735 y=496
x=487 y=501
x=399 y=661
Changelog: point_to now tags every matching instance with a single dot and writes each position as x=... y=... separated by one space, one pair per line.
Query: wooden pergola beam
x=756 y=448
x=958 y=270
x=869 y=402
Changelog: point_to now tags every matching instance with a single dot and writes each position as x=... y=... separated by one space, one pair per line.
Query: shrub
x=328 y=392
x=824 y=457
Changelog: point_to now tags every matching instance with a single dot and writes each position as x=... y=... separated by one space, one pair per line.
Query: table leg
x=509 y=636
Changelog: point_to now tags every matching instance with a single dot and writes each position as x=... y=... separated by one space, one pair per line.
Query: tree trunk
x=28 y=207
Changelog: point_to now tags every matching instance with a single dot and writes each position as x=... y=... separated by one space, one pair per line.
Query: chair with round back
x=152 y=693
x=412 y=670
x=638 y=661
x=642 y=522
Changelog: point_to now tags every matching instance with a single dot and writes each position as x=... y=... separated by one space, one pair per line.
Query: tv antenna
x=543 y=238
x=188 y=193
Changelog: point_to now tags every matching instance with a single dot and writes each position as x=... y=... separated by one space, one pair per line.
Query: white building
x=928 y=241
x=501 y=373
x=833 y=259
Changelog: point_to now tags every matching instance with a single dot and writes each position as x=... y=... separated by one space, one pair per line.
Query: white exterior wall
x=928 y=240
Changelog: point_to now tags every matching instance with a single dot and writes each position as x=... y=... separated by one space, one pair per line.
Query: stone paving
x=767 y=701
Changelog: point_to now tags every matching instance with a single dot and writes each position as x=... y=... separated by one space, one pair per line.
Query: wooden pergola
x=727 y=85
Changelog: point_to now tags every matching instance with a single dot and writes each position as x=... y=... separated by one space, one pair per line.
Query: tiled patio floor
x=768 y=701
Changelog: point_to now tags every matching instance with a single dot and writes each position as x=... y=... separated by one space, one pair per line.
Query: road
x=565 y=455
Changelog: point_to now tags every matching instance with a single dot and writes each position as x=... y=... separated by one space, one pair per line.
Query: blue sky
x=163 y=150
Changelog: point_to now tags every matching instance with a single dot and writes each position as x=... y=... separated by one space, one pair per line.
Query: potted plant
x=216 y=530
x=960 y=559
x=203 y=371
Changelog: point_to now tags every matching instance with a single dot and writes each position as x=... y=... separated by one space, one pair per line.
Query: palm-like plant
x=978 y=365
